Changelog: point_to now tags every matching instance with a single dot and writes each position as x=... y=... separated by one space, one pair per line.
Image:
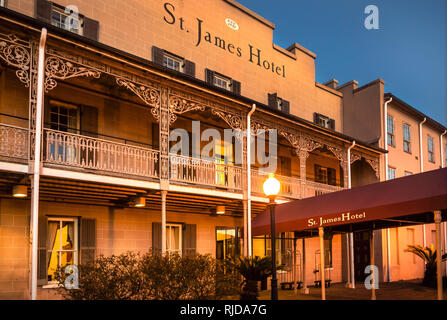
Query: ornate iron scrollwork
x=180 y=105
x=57 y=68
x=17 y=53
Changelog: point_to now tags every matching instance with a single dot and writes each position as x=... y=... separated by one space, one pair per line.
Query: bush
x=132 y=276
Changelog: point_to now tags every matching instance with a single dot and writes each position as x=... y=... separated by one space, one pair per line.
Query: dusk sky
x=409 y=51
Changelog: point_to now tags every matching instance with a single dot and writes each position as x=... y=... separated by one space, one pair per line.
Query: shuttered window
x=325 y=175
x=431 y=151
x=173 y=62
x=221 y=81
x=407 y=138
x=180 y=238
x=67 y=18
x=390 y=131
x=276 y=103
x=324 y=121
x=61 y=243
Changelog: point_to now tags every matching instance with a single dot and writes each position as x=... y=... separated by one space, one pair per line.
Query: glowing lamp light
x=140 y=202
x=20 y=191
x=220 y=210
x=271 y=186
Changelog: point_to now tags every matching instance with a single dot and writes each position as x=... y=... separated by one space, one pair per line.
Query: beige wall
x=118 y=231
x=137 y=25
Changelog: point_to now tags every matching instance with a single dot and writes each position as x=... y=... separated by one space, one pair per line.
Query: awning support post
x=373 y=276
x=295 y=285
x=305 y=290
x=163 y=221
x=438 y=219
x=322 y=266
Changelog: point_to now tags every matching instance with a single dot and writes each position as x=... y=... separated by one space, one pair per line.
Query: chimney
x=333 y=83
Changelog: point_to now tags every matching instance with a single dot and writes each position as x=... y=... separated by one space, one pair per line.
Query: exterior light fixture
x=140 y=202
x=271 y=189
x=220 y=210
x=20 y=191
x=271 y=186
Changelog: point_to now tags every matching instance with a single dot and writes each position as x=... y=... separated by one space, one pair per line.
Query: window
x=62 y=236
x=431 y=151
x=222 y=82
x=391 y=173
x=408 y=173
x=445 y=155
x=278 y=103
x=227 y=243
x=390 y=131
x=174 y=238
x=63 y=117
x=66 y=19
x=324 y=121
x=407 y=138
x=325 y=175
x=2 y=3
x=173 y=62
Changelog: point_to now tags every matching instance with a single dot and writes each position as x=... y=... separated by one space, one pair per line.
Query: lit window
x=174 y=238
x=407 y=138
x=66 y=19
x=390 y=131
x=431 y=152
x=172 y=62
x=391 y=173
x=222 y=82
x=62 y=235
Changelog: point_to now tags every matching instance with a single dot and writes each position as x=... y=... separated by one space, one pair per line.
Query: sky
x=408 y=51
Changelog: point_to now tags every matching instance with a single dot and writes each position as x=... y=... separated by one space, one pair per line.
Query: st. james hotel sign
x=249 y=52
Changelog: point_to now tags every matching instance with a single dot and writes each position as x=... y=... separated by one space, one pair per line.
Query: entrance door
x=227 y=243
x=361 y=254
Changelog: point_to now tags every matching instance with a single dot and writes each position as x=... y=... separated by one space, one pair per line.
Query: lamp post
x=271 y=189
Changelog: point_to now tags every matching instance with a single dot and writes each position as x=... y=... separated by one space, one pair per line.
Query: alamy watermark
x=372 y=280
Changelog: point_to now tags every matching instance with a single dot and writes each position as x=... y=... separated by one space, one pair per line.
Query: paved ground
x=401 y=290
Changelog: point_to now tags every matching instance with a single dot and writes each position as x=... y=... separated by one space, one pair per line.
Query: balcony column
x=164 y=139
x=164 y=193
x=303 y=155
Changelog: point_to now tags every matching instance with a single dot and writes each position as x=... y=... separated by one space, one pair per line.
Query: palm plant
x=253 y=269
x=429 y=255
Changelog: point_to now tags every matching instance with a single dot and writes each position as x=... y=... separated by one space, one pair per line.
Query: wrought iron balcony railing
x=91 y=153
x=13 y=142
x=201 y=172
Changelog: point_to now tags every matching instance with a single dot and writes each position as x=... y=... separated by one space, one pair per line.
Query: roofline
x=413 y=111
x=171 y=74
x=251 y=13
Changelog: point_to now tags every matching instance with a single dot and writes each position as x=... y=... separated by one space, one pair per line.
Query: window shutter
x=89 y=121
x=332 y=176
x=317 y=173
x=189 y=68
x=91 y=29
x=155 y=136
x=209 y=76
x=236 y=87
x=156 y=237
x=42 y=271
x=316 y=118
x=43 y=10
x=189 y=239
x=157 y=55
x=332 y=124
x=88 y=240
x=285 y=106
x=272 y=98
x=5 y=3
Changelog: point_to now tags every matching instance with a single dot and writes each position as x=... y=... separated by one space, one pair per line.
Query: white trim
x=2 y=3
x=13 y=167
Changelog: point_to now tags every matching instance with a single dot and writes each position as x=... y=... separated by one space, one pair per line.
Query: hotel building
x=118 y=80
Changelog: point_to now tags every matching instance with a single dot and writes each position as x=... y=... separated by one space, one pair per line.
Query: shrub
x=131 y=276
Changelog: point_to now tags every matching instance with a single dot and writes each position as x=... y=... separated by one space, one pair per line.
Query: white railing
x=13 y=142
x=290 y=186
x=91 y=153
x=202 y=172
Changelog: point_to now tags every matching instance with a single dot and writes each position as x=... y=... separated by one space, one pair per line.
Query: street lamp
x=271 y=189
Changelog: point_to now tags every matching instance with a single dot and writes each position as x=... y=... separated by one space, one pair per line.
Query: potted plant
x=428 y=254
x=253 y=269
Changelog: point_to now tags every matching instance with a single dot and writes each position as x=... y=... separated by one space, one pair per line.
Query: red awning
x=402 y=201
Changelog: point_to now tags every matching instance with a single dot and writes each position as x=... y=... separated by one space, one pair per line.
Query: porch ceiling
x=89 y=193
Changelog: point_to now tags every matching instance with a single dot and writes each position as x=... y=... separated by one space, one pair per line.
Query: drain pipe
x=388 y=238
x=34 y=228
x=421 y=164
x=443 y=156
x=248 y=218
x=350 y=238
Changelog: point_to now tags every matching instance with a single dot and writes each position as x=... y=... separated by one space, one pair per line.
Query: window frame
x=2 y=3
x=61 y=104
x=390 y=134
x=431 y=153
x=219 y=77
x=61 y=11
x=404 y=125
x=176 y=225
x=391 y=169
x=173 y=57
x=76 y=242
